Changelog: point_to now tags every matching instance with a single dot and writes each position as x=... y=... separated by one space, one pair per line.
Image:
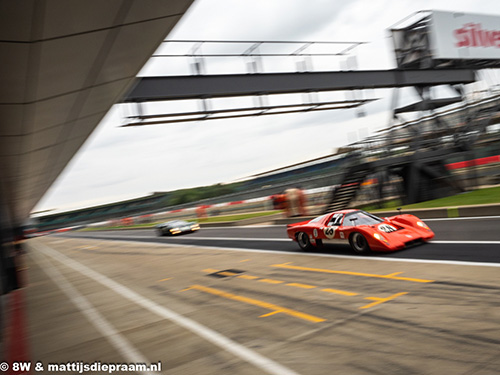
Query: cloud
x=256 y=20
x=120 y=163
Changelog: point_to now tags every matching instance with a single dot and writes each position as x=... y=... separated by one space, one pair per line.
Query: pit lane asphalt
x=458 y=239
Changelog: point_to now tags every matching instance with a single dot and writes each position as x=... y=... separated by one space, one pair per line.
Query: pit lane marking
x=212 y=271
x=378 y=300
x=87 y=247
x=227 y=273
x=247 y=277
x=392 y=276
x=342 y=292
x=129 y=352
x=302 y=286
x=295 y=253
x=275 y=309
x=168 y=278
x=265 y=364
x=270 y=281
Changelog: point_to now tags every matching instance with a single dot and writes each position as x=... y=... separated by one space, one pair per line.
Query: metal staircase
x=345 y=193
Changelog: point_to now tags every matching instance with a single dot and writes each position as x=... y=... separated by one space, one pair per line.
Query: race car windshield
x=362 y=218
x=336 y=220
x=177 y=223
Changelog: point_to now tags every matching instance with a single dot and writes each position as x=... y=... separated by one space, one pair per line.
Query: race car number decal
x=329 y=232
x=386 y=228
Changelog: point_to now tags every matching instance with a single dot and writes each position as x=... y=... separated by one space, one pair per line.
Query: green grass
x=480 y=196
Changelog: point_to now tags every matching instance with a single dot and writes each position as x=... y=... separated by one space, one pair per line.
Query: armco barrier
x=484 y=210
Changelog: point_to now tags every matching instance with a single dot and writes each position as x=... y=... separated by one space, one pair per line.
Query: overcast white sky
x=119 y=163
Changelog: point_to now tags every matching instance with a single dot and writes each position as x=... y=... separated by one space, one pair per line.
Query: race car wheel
x=303 y=241
x=159 y=232
x=359 y=243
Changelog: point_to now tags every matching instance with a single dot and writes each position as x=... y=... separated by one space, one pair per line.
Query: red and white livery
x=363 y=231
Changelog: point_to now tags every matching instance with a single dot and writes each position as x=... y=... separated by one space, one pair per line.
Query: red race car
x=363 y=231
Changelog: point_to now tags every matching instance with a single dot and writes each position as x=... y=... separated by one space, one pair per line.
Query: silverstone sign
x=464 y=36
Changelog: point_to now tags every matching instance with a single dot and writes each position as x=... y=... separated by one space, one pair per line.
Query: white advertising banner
x=464 y=36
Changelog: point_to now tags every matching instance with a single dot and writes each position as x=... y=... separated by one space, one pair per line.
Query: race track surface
x=246 y=301
x=463 y=239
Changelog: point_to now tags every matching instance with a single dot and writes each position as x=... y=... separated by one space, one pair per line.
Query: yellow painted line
x=226 y=273
x=395 y=274
x=271 y=281
x=303 y=286
x=379 y=300
x=168 y=278
x=322 y=270
x=87 y=247
x=210 y=270
x=244 y=260
x=342 y=292
x=269 y=314
x=275 y=309
x=247 y=277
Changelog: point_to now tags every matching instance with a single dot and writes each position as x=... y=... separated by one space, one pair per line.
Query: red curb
x=16 y=333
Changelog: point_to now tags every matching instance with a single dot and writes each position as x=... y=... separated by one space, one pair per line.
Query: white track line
x=463 y=218
x=467 y=242
x=353 y=257
x=282 y=225
x=289 y=240
x=298 y=253
x=263 y=363
x=119 y=342
x=205 y=238
x=228 y=238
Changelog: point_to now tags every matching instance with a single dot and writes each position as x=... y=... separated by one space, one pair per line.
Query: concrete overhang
x=64 y=64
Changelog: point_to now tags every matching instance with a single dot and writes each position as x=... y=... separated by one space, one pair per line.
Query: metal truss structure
x=254 y=82
x=206 y=87
x=261 y=110
x=149 y=89
x=421 y=167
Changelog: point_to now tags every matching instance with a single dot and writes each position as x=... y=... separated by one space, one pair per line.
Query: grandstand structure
x=422 y=156
x=436 y=41
x=370 y=168
x=410 y=159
